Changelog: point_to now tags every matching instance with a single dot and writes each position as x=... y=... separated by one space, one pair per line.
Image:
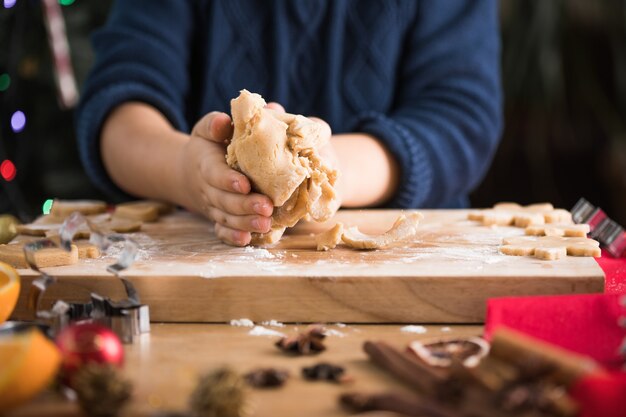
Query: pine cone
x=101 y=391
x=267 y=377
x=219 y=394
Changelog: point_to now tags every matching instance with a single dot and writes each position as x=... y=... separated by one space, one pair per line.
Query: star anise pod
x=267 y=377
x=325 y=372
x=309 y=342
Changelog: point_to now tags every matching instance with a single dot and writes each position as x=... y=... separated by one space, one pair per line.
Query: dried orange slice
x=29 y=362
x=9 y=290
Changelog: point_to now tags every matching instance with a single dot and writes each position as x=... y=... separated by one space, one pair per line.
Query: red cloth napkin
x=601 y=395
x=586 y=324
x=614 y=272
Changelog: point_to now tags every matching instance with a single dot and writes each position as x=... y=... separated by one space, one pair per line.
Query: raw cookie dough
x=330 y=238
x=63 y=208
x=14 y=256
x=550 y=247
x=404 y=228
x=87 y=250
x=512 y=214
x=567 y=230
x=279 y=153
x=145 y=211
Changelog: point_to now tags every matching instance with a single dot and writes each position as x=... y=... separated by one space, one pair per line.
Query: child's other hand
x=217 y=191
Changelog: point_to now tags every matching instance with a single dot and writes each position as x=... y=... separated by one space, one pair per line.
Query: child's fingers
x=214 y=126
x=249 y=223
x=232 y=236
x=241 y=204
x=218 y=174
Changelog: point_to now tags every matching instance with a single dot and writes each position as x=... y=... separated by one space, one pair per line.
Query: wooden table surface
x=444 y=274
x=165 y=364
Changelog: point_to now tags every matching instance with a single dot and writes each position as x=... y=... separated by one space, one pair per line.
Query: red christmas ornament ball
x=85 y=343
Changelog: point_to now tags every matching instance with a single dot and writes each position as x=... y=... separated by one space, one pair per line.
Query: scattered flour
x=341 y=325
x=333 y=332
x=258 y=253
x=414 y=329
x=446 y=329
x=263 y=331
x=242 y=323
x=273 y=323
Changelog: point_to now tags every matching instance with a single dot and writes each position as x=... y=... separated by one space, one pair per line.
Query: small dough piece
x=63 y=208
x=145 y=211
x=14 y=256
x=404 y=228
x=567 y=230
x=269 y=238
x=279 y=153
x=550 y=247
x=87 y=250
x=329 y=239
x=512 y=214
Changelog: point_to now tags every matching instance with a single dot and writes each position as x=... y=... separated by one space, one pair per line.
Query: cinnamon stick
x=522 y=350
x=408 y=405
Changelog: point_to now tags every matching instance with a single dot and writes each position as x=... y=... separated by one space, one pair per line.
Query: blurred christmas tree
x=44 y=152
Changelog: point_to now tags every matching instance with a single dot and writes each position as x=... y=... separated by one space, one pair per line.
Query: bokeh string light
x=18 y=121
x=47 y=206
x=9 y=3
x=66 y=2
x=7 y=170
x=5 y=81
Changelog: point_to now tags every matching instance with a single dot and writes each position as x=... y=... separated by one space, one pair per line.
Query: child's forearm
x=369 y=173
x=141 y=152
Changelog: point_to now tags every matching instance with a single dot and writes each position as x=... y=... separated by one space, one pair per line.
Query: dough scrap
x=512 y=214
x=550 y=247
x=49 y=257
x=278 y=152
x=43 y=227
x=567 y=230
x=404 y=228
x=145 y=211
x=329 y=239
x=63 y=208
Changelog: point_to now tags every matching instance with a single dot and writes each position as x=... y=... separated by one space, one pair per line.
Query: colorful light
x=47 y=205
x=66 y=2
x=5 y=81
x=18 y=121
x=9 y=3
x=7 y=170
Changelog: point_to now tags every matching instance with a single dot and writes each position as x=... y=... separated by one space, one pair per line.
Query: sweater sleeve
x=444 y=125
x=142 y=54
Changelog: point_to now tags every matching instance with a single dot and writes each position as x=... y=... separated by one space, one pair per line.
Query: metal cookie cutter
x=128 y=318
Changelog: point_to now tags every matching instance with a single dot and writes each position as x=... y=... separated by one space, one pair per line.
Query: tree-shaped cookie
x=550 y=247
x=512 y=214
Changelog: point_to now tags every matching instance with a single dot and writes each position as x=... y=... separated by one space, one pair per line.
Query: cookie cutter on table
x=608 y=232
x=128 y=318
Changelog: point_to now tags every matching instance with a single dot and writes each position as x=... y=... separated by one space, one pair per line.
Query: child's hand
x=215 y=190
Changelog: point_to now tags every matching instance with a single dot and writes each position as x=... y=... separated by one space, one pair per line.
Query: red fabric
x=614 y=272
x=586 y=324
x=601 y=395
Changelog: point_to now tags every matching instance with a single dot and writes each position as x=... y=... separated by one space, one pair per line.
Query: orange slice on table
x=28 y=363
x=9 y=290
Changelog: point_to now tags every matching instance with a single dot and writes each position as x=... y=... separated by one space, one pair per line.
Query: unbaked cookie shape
x=513 y=214
x=550 y=247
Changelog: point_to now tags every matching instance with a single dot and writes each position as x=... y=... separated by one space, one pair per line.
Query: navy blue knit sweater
x=422 y=76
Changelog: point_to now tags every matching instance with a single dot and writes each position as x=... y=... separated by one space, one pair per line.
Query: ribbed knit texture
x=421 y=76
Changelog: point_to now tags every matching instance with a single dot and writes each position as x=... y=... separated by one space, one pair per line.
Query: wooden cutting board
x=444 y=275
